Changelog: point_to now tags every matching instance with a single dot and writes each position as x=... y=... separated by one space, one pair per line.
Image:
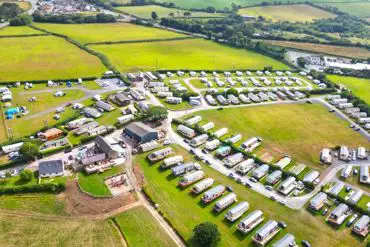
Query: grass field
x=45 y=57
x=94 y=183
x=141 y=229
x=22 y=4
x=359 y=9
x=89 y=33
x=162 y=12
x=184 y=54
x=21 y=30
x=324 y=49
x=16 y=231
x=185 y=211
x=287 y=12
x=300 y=130
x=359 y=86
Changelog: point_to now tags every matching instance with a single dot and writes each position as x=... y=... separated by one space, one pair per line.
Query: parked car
x=282 y=224
x=324 y=212
x=305 y=243
x=351 y=220
x=229 y=188
x=269 y=187
x=248 y=184
x=253 y=180
x=273 y=198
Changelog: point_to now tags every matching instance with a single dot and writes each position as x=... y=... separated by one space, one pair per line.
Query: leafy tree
x=29 y=150
x=26 y=175
x=172 y=15
x=9 y=10
x=206 y=234
x=187 y=14
x=21 y=20
x=232 y=91
x=155 y=113
x=154 y=15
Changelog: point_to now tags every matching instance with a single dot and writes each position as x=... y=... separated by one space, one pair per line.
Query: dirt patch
x=267 y=157
x=139 y=175
x=78 y=203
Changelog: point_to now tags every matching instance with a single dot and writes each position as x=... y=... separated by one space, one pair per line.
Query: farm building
x=318 y=201
x=252 y=220
x=287 y=241
x=50 y=134
x=12 y=147
x=141 y=132
x=339 y=214
x=111 y=148
x=266 y=232
x=362 y=226
x=51 y=168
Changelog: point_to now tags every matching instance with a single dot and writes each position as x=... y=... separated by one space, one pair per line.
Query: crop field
x=16 y=231
x=359 y=86
x=90 y=33
x=185 y=211
x=359 y=9
x=299 y=130
x=21 y=30
x=324 y=49
x=138 y=234
x=184 y=54
x=287 y=12
x=162 y=12
x=45 y=57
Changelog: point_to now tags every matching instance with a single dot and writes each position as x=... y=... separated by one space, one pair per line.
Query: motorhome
x=213 y=193
x=236 y=212
x=245 y=166
x=203 y=185
x=191 y=178
x=225 y=202
x=233 y=159
x=171 y=161
x=250 y=222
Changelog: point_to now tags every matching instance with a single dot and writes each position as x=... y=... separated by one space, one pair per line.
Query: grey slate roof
x=50 y=166
x=140 y=129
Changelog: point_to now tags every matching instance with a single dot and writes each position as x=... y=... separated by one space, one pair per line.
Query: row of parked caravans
x=355 y=112
x=259 y=82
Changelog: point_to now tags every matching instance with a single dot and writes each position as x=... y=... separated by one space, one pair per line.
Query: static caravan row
x=191 y=178
x=203 y=185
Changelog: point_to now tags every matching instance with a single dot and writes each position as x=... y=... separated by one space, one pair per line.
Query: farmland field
x=184 y=54
x=287 y=12
x=146 y=11
x=360 y=9
x=22 y=4
x=16 y=231
x=138 y=233
x=299 y=130
x=185 y=211
x=89 y=33
x=359 y=86
x=21 y=30
x=325 y=49
x=45 y=57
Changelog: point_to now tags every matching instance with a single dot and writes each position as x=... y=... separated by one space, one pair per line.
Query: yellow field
x=293 y=13
x=21 y=30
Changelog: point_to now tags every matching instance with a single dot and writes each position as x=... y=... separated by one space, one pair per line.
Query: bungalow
x=111 y=148
x=50 y=134
x=51 y=168
x=55 y=143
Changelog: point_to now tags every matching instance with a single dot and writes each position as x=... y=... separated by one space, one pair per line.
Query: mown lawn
x=299 y=130
x=16 y=231
x=162 y=12
x=89 y=33
x=45 y=57
x=141 y=229
x=287 y=12
x=94 y=183
x=21 y=30
x=359 y=86
x=184 y=54
x=185 y=211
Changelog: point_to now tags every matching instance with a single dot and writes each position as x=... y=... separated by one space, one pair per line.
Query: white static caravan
x=236 y=212
x=364 y=120
x=213 y=193
x=160 y=154
x=281 y=95
x=326 y=156
x=266 y=233
x=287 y=186
x=297 y=169
x=12 y=147
x=171 y=161
x=364 y=174
x=221 y=132
x=287 y=241
x=193 y=73
x=245 y=166
x=145 y=147
x=318 y=201
x=174 y=100
x=202 y=185
x=199 y=140
x=274 y=177
x=311 y=177
x=193 y=120
x=282 y=163
x=344 y=153
x=234 y=139
x=203 y=74
x=254 y=97
x=244 y=99
x=346 y=172
x=263 y=96
x=338 y=101
x=233 y=99
x=261 y=171
x=211 y=145
x=156 y=84
x=208 y=126
x=338 y=186
x=186 y=131
x=225 y=202
x=165 y=94
x=233 y=159
x=345 y=106
x=223 y=151
x=361 y=153
x=126 y=118
x=184 y=168
x=222 y=100
x=209 y=98
x=251 y=144
x=191 y=178
x=333 y=96
x=339 y=214
x=362 y=226
x=355 y=197
x=272 y=96
x=250 y=222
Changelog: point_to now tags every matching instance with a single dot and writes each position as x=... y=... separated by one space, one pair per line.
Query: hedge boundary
x=139 y=41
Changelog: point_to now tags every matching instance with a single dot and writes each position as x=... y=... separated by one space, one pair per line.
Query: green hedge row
x=36 y=188
x=139 y=41
x=91 y=78
x=24 y=35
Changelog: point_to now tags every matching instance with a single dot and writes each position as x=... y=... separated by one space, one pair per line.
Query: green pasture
x=357 y=8
x=20 y=30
